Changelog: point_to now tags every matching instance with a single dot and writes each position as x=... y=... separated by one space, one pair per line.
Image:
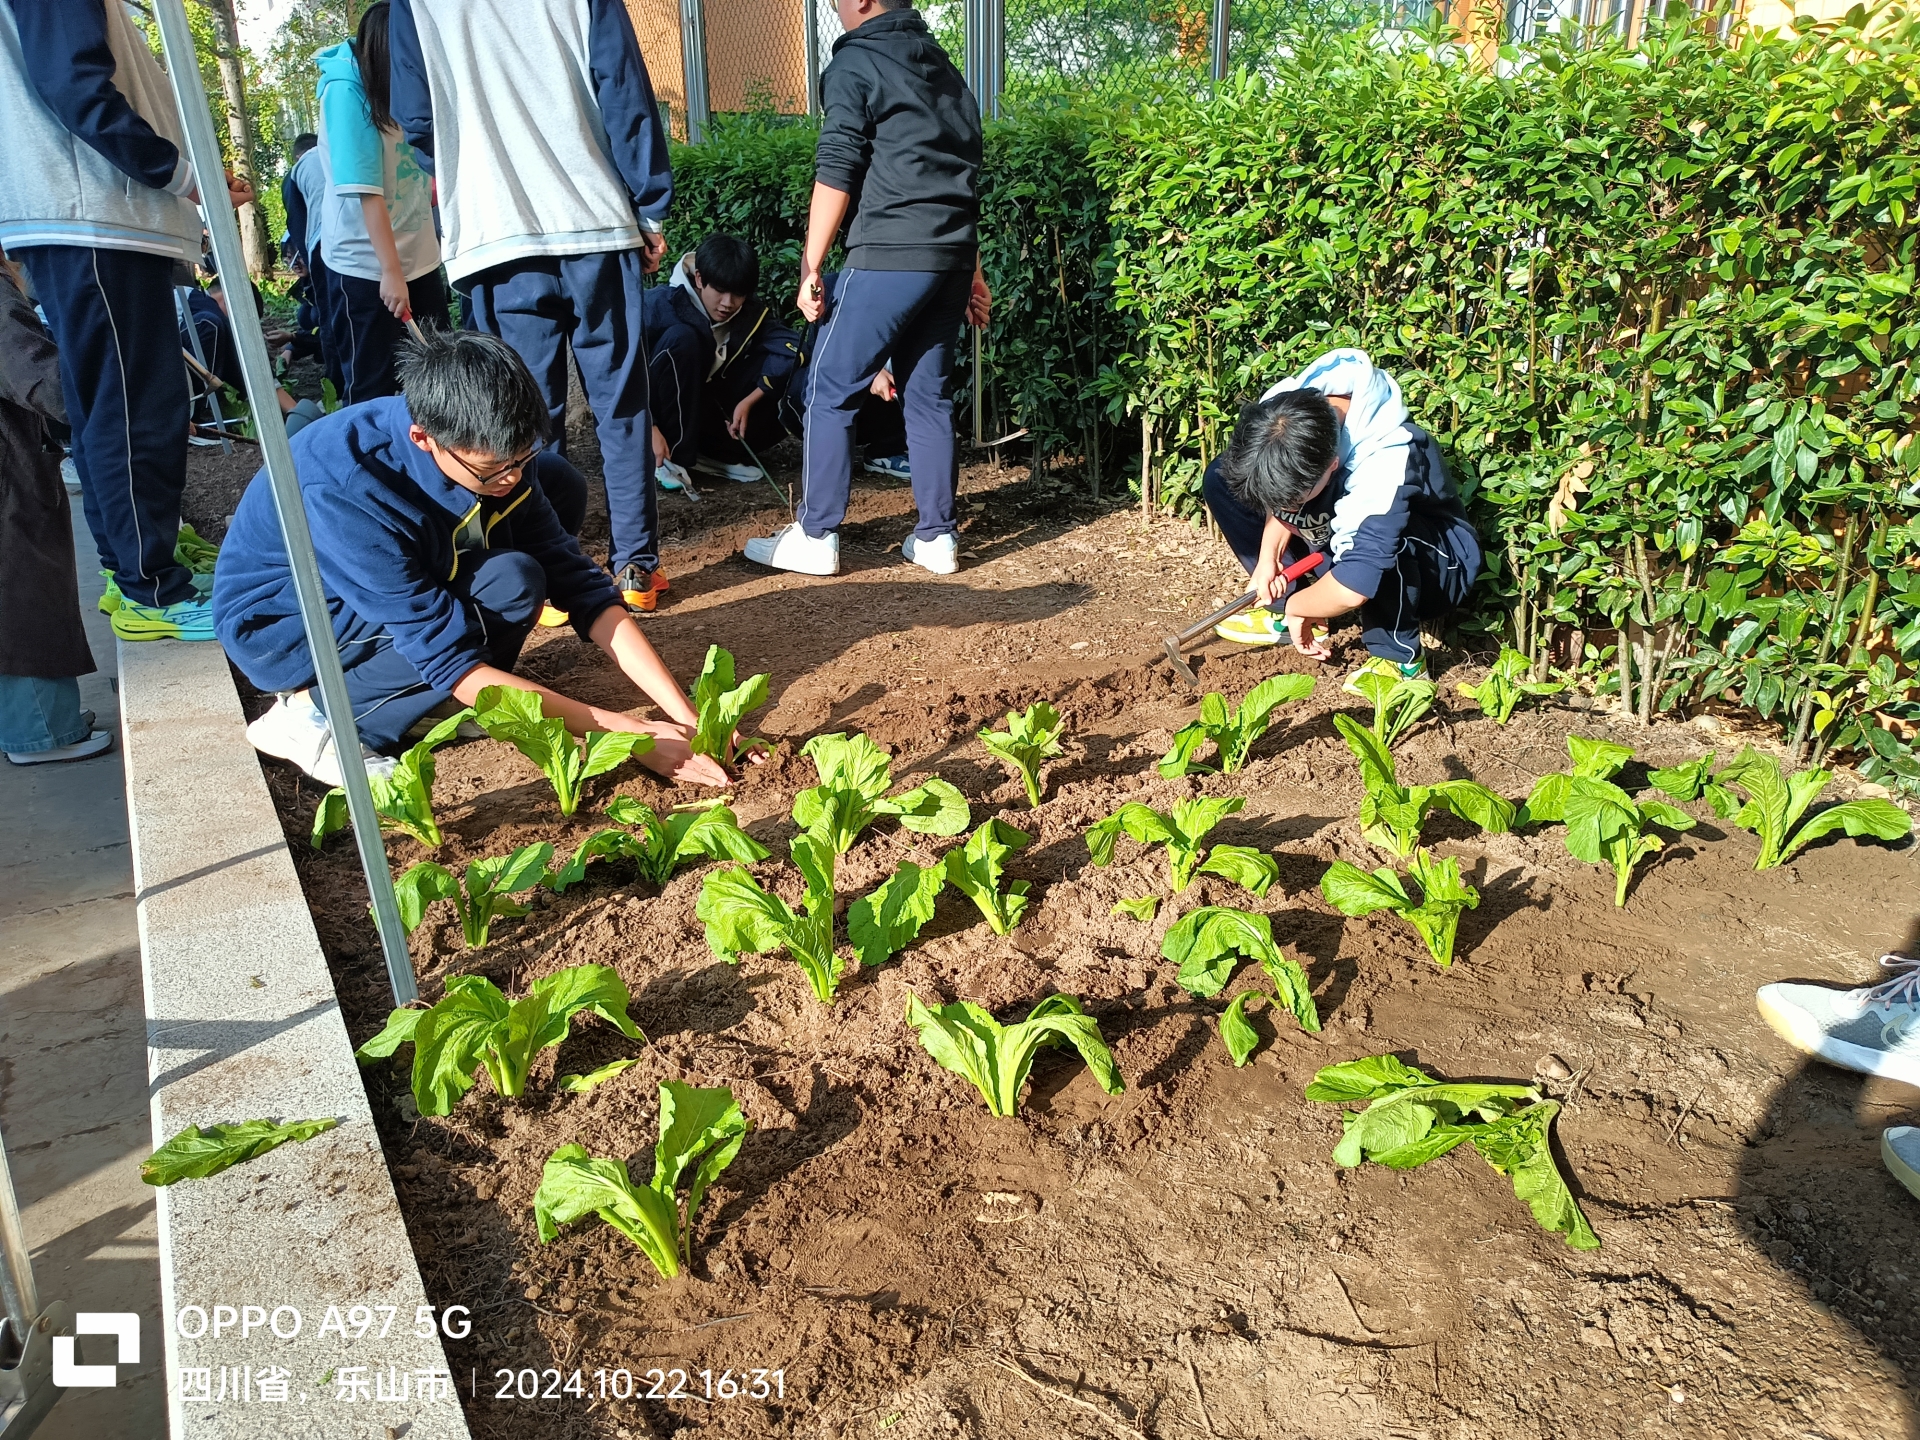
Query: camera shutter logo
x=122 y=1325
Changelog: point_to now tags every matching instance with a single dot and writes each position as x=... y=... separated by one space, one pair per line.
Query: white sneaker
x=941 y=556
x=791 y=548
x=294 y=730
x=745 y=474
x=70 y=475
x=1900 y=1152
x=98 y=742
x=1869 y=1030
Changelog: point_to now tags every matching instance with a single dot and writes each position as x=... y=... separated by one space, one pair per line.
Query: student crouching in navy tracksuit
x=213 y=332
x=435 y=522
x=1328 y=461
x=539 y=121
x=96 y=200
x=719 y=363
x=899 y=149
x=377 y=232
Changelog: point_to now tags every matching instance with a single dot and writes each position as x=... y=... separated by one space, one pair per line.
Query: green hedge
x=1658 y=306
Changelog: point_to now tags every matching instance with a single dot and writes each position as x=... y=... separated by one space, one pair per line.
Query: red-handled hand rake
x=1171 y=647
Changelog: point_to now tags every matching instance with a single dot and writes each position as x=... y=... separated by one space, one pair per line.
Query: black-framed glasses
x=508 y=469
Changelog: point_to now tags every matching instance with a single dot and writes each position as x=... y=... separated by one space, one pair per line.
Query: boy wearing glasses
x=442 y=526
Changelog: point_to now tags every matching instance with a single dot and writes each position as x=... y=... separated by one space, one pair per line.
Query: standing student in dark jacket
x=899 y=151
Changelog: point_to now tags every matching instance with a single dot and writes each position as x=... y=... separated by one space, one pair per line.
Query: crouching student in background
x=1328 y=461
x=441 y=529
x=879 y=425
x=220 y=354
x=719 y=365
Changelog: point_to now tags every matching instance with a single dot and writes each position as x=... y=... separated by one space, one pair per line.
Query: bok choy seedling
x=1232 y=732
x=1183 y=833
x=882 y=924
x=1392 y=814
x=967 y=1040
x=855 y=775
x=721 y=706
x=1412 y=1118
x=683 y=835
x=1031 y=737
x=976 y=869
x=1208 y=944
x=484 y=894
x=1436 y=917
x=1606 y=826
x=1592 y=760
x=474 y=1027
x=701 y=1131
x=404 y=798
x=742 y=916
x=1398 y=700
x=1507 y=684
x=1751 y=791
x=508 y=713
x=196 y=1153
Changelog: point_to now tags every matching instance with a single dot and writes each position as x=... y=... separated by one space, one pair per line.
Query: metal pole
x=995 y=55
x=810 y=23
x=184 y=312
x=183 y=67
x=1222 y=23
x=693 y=61
x=16 y=1259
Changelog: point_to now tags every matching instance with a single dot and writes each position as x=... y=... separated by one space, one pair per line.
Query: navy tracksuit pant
x=505 y=588
x=544 y=305
x=369 y=335
x=912 y=317
x=112 y=315
x=320 y=287
x=1438 y=561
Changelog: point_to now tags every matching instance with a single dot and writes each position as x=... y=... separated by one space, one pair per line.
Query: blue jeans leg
x=38 y=714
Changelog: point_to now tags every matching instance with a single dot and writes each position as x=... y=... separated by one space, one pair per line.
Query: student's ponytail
x=371 y=54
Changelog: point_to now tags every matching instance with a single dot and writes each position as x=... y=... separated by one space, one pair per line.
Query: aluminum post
x=183 y=67
x=16 y=1258
x=1222 y=24
x=810 y=26
x=693 y=62
x=994 y=55
x=184 y=313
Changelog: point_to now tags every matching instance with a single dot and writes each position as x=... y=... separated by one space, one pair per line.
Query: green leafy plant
x=403 y=798
x=1592 y=760
x=1776 y=808
x=721 y=706
x=1412 y=1118
x=1392 y=814
x=1142 y=908
x=967 y=1040
x=515 y=716
x=1232 y=732
x=1507 y=684
x=1184 y=834
x=855 y=775
x=1398 y=701
x=976 y=869
x=701 y=1131
x=195 y=1153
x=594 y=1078
x=1695 y=780
x=483 y=894
x=474 y=1027
x=1208 y=945
x=1605 y=825
x=1436 y=916
x=1032 y=736
x=882 y=924
x=705 y=831
x=742 y=916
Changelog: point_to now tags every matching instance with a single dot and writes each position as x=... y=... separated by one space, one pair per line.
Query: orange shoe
x=642 y=589
x=552 y=619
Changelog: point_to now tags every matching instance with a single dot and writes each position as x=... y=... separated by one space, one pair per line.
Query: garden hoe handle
x=1174 y=644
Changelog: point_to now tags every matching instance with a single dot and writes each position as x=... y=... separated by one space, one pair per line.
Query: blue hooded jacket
x=383 y=519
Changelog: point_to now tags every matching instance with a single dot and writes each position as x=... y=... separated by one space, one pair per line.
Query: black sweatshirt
x=902 y=137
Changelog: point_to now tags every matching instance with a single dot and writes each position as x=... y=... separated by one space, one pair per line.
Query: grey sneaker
x=1900 y=1151
x=1870 y=1030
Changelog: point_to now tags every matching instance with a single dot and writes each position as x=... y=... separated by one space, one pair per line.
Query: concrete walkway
x=73 y=1056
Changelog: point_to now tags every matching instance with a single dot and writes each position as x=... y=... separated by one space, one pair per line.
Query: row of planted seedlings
x=1410 y=1117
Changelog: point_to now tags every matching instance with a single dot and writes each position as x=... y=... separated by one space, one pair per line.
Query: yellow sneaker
x=1258 y=626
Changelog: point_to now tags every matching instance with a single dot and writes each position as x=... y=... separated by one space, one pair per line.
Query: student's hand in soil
x=1308 y=641
x=672 y=755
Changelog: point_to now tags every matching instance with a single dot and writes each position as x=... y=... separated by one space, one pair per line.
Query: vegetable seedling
x=1592 y=760
x=975 y=870
x=1506 y=685
x=721 y=706
x=882 y=924
x=515 y=716
x=1775 y=805
x=484 y=894
x=741 y=915
x=1142 y=908
x=1606 y=826
x=473 y=1027
x=404 y=798
x=1032 y=736
x=682 y=835
x=194 y=1153
x=1232 y=732
x=855 y=775
x=581 y=1084
x=1398 y=700
x=701 y=1130
x=967 y=1040
x=1208 y=944
x=1412 y=1118
x=1183 y=833
x=1392 y=814
x=1443 y=895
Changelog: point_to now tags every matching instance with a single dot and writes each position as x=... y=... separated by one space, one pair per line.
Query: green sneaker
x=110 y=598
x=1259 y=626
x=184 y=620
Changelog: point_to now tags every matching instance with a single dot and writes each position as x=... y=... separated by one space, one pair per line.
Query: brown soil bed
x=1183 y=1259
